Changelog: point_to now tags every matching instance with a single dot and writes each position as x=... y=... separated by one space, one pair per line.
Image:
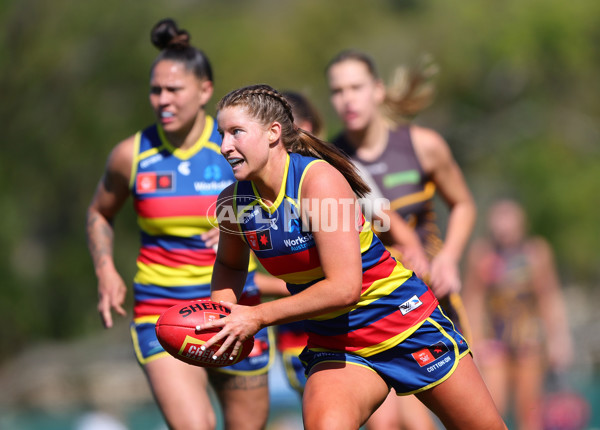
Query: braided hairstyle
x=410 y=91
x=174 y=45
x=267 y=105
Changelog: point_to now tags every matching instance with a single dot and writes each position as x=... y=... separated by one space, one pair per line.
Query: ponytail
x=310 y=145
x=410 y=91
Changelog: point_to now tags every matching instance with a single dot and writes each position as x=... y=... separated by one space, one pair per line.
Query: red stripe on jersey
x=154 y=307
x=177 y=257
x=160 y=207
x=291 y=339
x=377 y=332
x=381 y=270
x=158 y=306
x=287 y=264
x=250 y=300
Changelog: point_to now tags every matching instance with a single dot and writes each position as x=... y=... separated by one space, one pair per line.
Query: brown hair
x=174 y=45
x=266 y=104
x=410 y=90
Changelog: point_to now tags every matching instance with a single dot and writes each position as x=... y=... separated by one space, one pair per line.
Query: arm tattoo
x=99 y=237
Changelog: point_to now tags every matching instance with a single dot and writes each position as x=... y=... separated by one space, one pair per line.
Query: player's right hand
x=111 y=295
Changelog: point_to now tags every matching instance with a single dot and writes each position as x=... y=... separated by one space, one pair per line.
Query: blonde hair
x=410 y=91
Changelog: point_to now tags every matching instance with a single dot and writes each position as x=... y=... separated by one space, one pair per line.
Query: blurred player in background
x=174 y=171
x=513 y=296
x=409 y=163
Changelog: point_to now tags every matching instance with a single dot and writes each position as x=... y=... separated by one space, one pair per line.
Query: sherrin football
x=176 y=332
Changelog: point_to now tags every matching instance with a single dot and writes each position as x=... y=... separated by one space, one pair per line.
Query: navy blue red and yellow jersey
x=389 y=309
x=400 y=178
x=291 y=336
x=174 y=195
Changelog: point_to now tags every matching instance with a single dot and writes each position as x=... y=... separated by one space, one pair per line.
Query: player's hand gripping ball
x=176 y=332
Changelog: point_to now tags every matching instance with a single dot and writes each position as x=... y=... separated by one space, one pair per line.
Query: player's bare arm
x=341 y=286
x=231 y=264
x=436 y=159
x=111 y=193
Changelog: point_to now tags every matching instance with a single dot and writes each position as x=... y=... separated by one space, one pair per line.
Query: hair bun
x=165 y=34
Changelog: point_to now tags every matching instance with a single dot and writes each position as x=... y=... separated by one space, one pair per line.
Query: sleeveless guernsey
x=388 y=311
x=174 y=194
x=401 y=179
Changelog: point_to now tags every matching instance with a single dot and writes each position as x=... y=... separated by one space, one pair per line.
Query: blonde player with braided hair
x=372 y=325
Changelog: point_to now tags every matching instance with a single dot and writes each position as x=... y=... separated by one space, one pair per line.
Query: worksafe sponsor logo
x=300 y=242
x=211 y=186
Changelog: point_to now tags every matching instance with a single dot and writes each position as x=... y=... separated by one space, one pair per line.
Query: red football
x=176 y=332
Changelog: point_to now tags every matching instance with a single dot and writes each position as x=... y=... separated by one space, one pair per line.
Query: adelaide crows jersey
x=174 y=193
x=390 y=308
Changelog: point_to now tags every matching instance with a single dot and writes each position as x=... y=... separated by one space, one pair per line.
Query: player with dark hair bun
x=174 y=171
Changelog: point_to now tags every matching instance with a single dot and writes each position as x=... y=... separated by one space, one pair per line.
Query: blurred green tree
x=517 y=100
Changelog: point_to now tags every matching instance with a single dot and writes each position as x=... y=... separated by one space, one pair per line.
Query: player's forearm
x=460 y=226
x=316 y=300
x=100 y=235
x=227 y=283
